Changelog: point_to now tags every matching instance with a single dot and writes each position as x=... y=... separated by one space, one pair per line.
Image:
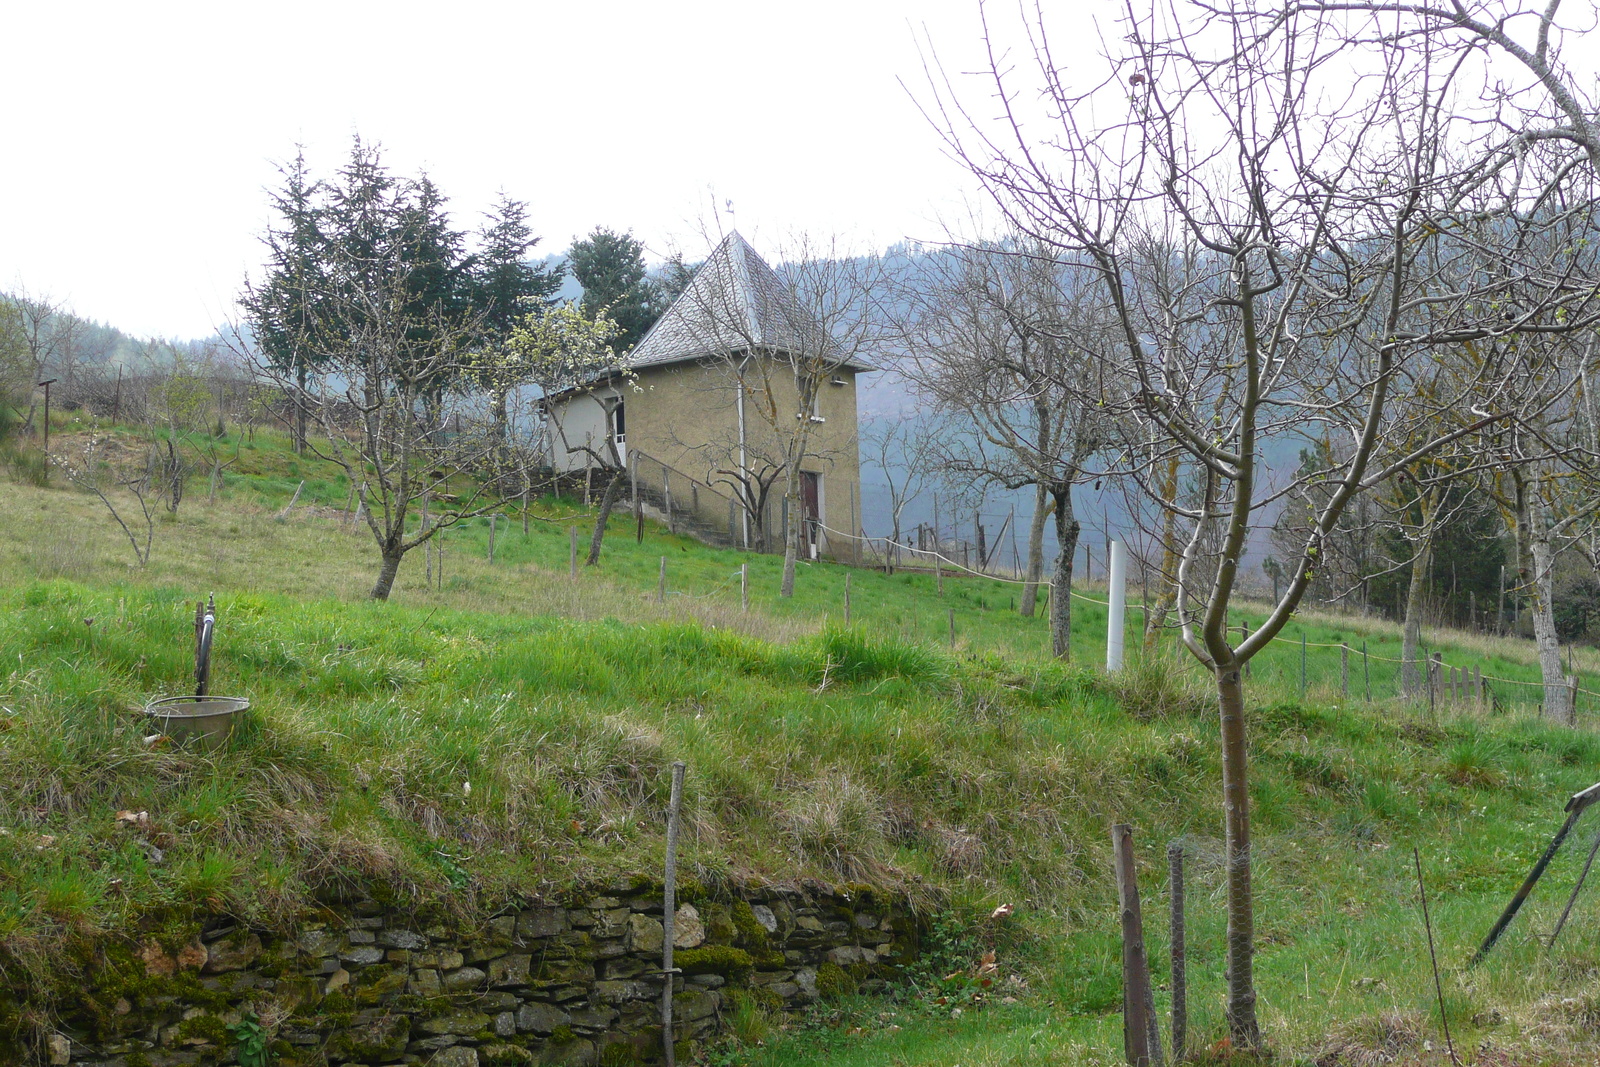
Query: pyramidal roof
x=734 y=303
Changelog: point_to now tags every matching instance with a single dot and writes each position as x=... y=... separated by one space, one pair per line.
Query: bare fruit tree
x=1004 y=339
x=903 y=445
x=1336 y=212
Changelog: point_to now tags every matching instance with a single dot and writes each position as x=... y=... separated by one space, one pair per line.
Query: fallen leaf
x=1002 y=912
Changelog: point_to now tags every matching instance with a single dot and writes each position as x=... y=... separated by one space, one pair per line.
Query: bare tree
x=48 y=331
x=85 y=472
x=903 y=446
x=1337 y=222
x=1001 y=337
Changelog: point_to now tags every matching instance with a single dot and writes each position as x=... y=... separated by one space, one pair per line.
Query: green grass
x=964 y=778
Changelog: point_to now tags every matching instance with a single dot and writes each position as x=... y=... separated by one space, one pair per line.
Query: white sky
x=147 y=134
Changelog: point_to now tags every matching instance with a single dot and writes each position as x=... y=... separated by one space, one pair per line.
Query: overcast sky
x=143 y=136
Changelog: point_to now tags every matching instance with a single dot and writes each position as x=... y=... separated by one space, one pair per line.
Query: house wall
x=686 y=416
x=582 y=421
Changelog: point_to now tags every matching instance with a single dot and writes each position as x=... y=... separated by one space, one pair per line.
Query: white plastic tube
x=1114 y=615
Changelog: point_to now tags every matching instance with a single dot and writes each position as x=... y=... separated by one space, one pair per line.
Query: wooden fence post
x=574 y=560
x=669 y=908
x=492 y=523
x=1366 y=669
x=744 y=588
x=1138 y=1020
x=661 y=585
x=1180 y=963
x=1344 y=668
x=847 y=600
x=952 y=627
x=666 y=491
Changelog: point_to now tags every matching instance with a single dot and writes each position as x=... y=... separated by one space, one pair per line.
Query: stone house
x=704 y=431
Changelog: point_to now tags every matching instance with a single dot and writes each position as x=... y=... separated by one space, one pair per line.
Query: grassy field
x=512 y=730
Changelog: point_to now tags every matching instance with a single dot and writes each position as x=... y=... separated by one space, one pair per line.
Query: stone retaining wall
x=572 y=984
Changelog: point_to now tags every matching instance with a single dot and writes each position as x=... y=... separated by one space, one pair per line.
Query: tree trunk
x=300 y=408
x=1241 y=1004
x=1167 y=596
x=392 y=555
x=1411 y=669
x=1061 y=585
x=608 y=499
x=1557 y=697
x=1030 y=589
x=791 y=529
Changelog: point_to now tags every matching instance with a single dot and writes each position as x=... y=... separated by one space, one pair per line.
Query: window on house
x=619 y=423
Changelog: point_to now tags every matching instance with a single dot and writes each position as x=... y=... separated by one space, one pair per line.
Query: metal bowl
x=206 y=720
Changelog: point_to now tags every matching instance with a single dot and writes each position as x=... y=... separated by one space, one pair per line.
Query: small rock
x=60 y=1049
x=232 y=953
x=542 y=1018
x=687 y=929
x=505 y=1024
x=425 y=983
x=509 y=971
x=542 y=922
x=457 y=1056
x=361 y=937
x=402 y=939
x=157 y=963
x=122 y=1007
x=503 y=927
x=318 y=942
x=764 y=916
x=645 y=935
x=462 y=979
x=337 y=980
x=361 y=955
x=463 y=1023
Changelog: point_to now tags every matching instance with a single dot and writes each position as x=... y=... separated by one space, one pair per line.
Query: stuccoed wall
x=362 y=982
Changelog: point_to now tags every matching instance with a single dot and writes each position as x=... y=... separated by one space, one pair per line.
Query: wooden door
x=811 y=510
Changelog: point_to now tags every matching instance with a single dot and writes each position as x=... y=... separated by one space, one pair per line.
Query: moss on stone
x=833 y=981
x=751 y=932
x=206 y=1028
x=562 y=1035
x=734 y=964
x=719 y=924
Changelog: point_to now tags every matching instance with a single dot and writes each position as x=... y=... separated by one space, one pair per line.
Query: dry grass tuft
x=1371 y=1040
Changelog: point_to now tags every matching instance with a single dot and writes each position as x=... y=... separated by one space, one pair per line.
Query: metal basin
x=208 y=721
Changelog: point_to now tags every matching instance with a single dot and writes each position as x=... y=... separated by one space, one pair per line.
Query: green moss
x=734 y=964
x=720 y=927
x=561 y=1035
x=833 y=981
x=498 y=1054
x=206 y=1027
x=751 y=932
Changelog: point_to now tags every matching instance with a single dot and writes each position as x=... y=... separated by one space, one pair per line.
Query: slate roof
x=734 y=303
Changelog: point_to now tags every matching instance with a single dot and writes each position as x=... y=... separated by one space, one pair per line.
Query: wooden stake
x=573 y=564
x=952 y=627
x=669 y=909
x=847 y=600
x=661 y=586
x=1180 y=982
x=744 y=588
x=938 y=572
x=1344 y=668
x=524 y=511
x=492 y=521
x=1138 y=1021
x=1366 y=670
